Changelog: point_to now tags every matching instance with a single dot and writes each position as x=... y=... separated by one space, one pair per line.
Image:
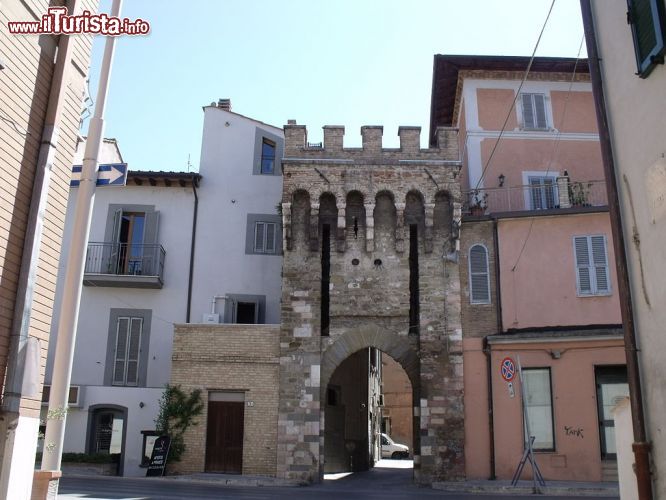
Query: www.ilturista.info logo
x=57 y=22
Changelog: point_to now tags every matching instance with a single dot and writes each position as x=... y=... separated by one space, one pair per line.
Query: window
x=479 y=282
x=646 y=18
x=534 y=111
x=264 y=237
x=542 y=192
x=267 y=157
x=128 y=346
x=592 y=274
x=539 y=407
x=245 y=309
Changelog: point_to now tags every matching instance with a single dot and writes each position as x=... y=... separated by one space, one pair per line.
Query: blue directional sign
x=110 y=174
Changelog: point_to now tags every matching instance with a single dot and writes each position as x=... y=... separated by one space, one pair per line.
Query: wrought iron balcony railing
x=124 y=260
x=548 y=194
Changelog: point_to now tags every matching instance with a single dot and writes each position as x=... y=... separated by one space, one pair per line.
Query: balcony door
x=134 y=242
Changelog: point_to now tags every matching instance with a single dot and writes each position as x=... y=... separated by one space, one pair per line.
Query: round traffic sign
x=508 y=369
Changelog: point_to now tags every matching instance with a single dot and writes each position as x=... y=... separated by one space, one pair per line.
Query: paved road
x=378 y=483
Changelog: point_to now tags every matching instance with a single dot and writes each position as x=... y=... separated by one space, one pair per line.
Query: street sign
x=508 y=369
x=110 y=174
x=158 y=458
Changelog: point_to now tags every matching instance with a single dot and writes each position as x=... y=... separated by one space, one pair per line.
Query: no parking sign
x=508 y=369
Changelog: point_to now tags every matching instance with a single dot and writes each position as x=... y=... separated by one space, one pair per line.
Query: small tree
x=177 y=412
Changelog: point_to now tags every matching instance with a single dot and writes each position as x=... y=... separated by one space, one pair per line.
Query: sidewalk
x=555 y=488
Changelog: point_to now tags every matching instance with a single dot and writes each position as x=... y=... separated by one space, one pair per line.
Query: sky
x=337 y=62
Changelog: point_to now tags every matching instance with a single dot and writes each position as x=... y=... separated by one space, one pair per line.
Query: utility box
x=211 y=318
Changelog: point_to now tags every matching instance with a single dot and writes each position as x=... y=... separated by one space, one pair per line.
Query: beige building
x=630 y=88
x=42 y=85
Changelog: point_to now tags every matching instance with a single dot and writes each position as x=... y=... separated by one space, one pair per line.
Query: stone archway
x=399 y=347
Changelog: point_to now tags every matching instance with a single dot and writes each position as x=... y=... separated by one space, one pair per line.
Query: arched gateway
x=370 y=238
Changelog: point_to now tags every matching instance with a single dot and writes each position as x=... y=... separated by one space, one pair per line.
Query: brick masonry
x=229 y=357
x=370 y=196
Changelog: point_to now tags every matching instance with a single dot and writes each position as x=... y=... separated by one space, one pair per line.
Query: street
x=384 y=482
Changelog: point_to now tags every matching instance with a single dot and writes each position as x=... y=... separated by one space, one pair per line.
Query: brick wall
x=478 y=320
x=229 y=357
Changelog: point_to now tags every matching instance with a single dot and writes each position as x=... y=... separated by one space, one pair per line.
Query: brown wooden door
x=224 y=440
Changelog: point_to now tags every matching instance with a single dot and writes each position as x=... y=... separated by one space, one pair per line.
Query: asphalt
x=388 y=480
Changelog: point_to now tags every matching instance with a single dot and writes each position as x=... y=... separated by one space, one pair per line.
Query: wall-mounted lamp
x=501 y=179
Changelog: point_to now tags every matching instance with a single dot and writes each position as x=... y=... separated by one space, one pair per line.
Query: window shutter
x=528 y=111
x=540 y=108
x=600 y=262
x=133 y=349
x=270 y=237
x=583 y=265
x=647 y=26
x=122 y=332
x=259 y=236
x=478 y=279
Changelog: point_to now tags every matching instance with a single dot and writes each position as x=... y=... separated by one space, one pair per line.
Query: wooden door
x=224 y=439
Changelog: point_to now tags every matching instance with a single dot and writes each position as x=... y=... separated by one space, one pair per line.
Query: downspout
x=487 y=351
x=22 y=379
x=195 y=181
x=641 y=446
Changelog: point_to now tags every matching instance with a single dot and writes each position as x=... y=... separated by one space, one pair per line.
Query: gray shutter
x=150 y=250
x=133 y=351
x=528 y=111
x=540 y=108
x=122 y=332
x=598 y=244
x=112 y=248
x=259 y=229
x=270 y=237
x=478 y=270
x=583 y=265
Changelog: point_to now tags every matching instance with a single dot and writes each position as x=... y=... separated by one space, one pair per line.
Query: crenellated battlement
x=297 y=147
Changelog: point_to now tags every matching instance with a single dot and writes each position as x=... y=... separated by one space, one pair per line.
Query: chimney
x=224 y=104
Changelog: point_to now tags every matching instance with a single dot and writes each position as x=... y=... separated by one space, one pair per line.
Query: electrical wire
x=556 y=144
x=515 y=98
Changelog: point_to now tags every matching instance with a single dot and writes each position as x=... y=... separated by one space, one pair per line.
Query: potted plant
x=479 y=203
x=578 y=194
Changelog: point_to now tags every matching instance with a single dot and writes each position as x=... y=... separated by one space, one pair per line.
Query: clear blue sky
x=342 y=62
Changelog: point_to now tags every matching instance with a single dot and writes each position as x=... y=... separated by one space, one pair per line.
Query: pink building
x=537 y=266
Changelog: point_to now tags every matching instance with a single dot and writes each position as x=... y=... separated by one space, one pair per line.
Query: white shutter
x=540 y=109
x=599 y=260
x=133 y=351
x=270 y=237
x=528 y=111
x=479 y=283
x=122 y=332
x=259 y=237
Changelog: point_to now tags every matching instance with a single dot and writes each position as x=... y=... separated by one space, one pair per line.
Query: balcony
x=547 y=196
x=124 y=265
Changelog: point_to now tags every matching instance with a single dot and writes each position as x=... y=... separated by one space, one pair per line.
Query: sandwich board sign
x=158 y=457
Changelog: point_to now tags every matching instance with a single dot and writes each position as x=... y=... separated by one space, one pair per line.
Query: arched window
x=479 y=282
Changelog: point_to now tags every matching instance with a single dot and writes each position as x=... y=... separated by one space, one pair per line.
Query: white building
x=238 y=252
x=167 y=249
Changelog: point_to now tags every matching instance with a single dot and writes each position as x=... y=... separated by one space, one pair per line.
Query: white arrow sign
x=110 y=174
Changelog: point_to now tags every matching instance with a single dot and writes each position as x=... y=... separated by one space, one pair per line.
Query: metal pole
x=641 y=446
x=69 y=313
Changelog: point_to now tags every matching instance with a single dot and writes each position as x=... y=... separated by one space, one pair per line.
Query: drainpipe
x=195 y=182
x=641 y=446
x=23 y=366
x=491 y=418
x=18 y=373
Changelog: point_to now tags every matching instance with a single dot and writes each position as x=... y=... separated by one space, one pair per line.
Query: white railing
x=562 y=192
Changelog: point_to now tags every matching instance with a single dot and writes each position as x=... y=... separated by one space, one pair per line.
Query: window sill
x=588 y=295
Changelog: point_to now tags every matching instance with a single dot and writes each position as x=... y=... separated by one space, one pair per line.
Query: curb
x=506 y=489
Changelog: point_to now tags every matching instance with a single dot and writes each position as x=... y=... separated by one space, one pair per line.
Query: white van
x=391 y=449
